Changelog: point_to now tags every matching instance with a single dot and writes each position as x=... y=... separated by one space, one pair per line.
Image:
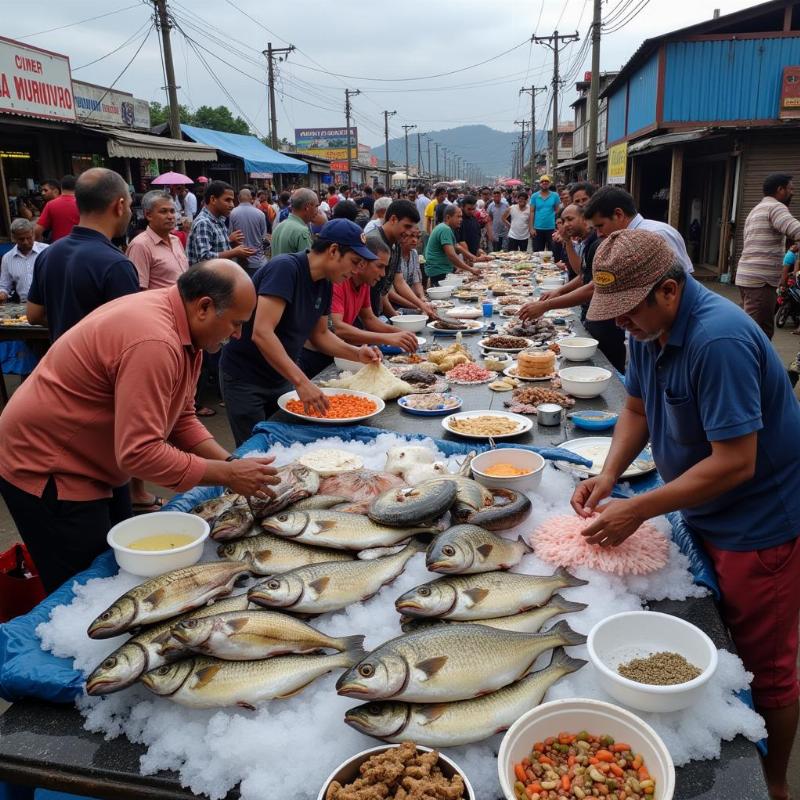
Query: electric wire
x=119 y=47
x=79 y=22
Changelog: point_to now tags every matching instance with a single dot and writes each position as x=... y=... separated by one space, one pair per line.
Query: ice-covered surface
x=288 y=747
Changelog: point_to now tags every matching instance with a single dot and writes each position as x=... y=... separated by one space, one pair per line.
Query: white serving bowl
x=348 y=771
x=517 y=457
x=149 y=563
x=410 y=322
x=440 y=292
x=584 y=382
x=452 y=280
x=344 y=363
x=287 y=396
x=596 y=717
x=578 y=348
x=610 y=644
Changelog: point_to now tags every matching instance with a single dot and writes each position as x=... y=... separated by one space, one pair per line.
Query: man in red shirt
x=60 y=215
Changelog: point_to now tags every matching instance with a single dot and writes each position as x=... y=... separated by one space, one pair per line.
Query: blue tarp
x=256 y=155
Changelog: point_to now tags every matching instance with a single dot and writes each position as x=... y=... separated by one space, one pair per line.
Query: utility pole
x=430 y=171
x=444 y=155
x=169 y=68
x=594 y=92
x=386 y=115
x=533 y=91
x=271 y=53
x=419 y=155
x=406 y=129
x=347 y=111
x=555 y=43
x=521 y=164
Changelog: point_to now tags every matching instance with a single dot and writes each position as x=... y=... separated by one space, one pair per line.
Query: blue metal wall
x=726 y=80
x=642 y=94
x=616 y=114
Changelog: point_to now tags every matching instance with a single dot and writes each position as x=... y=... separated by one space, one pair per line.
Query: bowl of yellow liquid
x=153 y=544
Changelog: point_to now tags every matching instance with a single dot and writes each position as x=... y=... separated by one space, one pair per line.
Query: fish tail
x=565 y=605
x=528 y=548
x=567 y=578
x=353 y=646
x=564 y=662
x=568 y=636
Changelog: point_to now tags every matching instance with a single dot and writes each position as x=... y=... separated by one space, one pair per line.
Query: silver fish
x=233 y=523
x=526 y=622
x=470 y=497
x=296 y=483
x=210 y=683
x=491 y=594
x=148 y=650
x=360 y=485
x=211 y=509
x=318 y=501
x=268 y=554
x=413 y=505
x=500 y=516
x=469 y=549
x=463 y=721
x=450 y=662
x=318 y=588
x=338 y=530
x=167 y=596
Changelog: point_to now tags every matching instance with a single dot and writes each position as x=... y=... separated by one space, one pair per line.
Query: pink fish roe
x=559 y=541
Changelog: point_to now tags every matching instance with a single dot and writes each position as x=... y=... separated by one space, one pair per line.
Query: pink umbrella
x=202 y=179
x=512 y=182
x=171 y=179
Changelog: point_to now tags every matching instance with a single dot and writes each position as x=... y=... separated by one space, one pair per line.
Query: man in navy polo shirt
x=707 y=389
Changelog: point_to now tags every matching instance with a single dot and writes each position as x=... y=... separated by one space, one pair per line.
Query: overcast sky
x=410 y=39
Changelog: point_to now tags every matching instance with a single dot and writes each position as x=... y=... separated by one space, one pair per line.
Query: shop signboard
x=790 y=93
x=338 y=166
x=328 y=143
x=102 y=106
x=35 y=82
x=617 y=162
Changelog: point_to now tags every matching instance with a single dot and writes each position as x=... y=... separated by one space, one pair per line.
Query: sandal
x=148 y=508
x=204 y=411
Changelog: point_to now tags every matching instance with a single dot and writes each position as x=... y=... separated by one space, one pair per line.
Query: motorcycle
x=788 y=304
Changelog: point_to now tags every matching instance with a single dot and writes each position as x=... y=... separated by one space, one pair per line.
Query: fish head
x=378 y=719
x=277 y=591
x=233 y=551
x=166 y=680
x=428 y=600
x=307 y=479
x=233 y=522
x=193 y=632
x=118 y=670
x=114 y=620
x=288 y=524
x=449 y=554
x=377 y=676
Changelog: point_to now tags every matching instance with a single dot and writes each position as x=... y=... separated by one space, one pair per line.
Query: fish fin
x=476 y=595
x=319 y=585
x=156 y=597
x=466 y=465
x=235 y=625
x=430 y=666
x=431 y=712
x=566 y=606
x=528 y=548
x=294 y=691
x=371 y=553
x=261 y=555
x=248 y=706
x=323 y=525
x=564 y=662
x=353 y=646
x=206 y=675
x=569 y=636
x=567 y=578
x=485 y=549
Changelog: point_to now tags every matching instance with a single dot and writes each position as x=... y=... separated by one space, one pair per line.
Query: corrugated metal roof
x=127 y=144
x=667 y=139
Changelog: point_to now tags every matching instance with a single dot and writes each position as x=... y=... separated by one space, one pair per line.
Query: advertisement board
x=617 y=162
x=790 y=93
x=102 y=106
x=34 y=82
x=329 y=143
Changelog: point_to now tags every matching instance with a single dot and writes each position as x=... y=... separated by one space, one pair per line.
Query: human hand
x=243 y=252
x=590 y=492
x=548 y=295
x=428 y=309
x=236 y=237
x=617 y=521
x=371 y=355
x=312 y=397
x=532 y=310
x=251 y=476
x=405 y=340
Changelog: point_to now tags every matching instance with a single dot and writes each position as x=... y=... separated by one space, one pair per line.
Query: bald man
x=114 y=397
x=251 y=221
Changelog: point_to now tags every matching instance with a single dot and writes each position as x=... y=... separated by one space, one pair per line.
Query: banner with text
x=35 y=82
x=101 y=106
x=617 y=163
x=330 y=143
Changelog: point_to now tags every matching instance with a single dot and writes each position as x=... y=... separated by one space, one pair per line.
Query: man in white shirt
x=16 y=268
x=189 y=201
x=421 y=203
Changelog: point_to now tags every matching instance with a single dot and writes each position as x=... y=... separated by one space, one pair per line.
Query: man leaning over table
x=16 y=267
x=709 y=392
x=114 y=397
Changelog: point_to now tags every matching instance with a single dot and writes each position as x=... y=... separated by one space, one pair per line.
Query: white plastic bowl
x=287 y=396
x=517 y=457
x=344 y=363
x=578 y=348
x=611 y=643
x=410 y=322
x=440 y=292
x=596 y=717
x=347 y=771
x=584 y=382
x=149 y=563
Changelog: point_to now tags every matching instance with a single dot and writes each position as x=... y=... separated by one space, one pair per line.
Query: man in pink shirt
x=60 y=214
x=156 y=253
x=114 y=397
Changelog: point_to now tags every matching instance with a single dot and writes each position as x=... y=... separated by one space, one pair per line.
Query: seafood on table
x=445 y=663
x=267 y=554
x=536 y=395
x=234 y=523
x=210 y=510
x=318 y=588
x=296 y=483
x=359 y=487
x=469 y=372
x=462 y=721
x=167 y=596
x=328 y=461
x=484 y=425
x=414 y=505
x=446 y=358
x=489 y=594
x=470 y=549
x=375 y=379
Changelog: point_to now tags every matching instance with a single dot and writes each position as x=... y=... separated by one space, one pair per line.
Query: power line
x=80 y=21
x=122 y=46
x=632 y=16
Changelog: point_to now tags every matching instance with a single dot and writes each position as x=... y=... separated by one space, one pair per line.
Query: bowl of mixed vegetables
x=582 y=748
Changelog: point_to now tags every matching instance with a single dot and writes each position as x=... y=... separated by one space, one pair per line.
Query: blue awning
x=256 y=155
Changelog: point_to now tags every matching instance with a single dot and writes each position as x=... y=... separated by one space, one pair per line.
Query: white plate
x=512 y=373
x=472 y=327
x=525 y=424
x=482 y=343
x=596 y=448
x=285 y=398
x=462 y=313
x=558 y=313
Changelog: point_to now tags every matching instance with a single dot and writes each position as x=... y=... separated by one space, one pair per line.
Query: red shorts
x=761 y=607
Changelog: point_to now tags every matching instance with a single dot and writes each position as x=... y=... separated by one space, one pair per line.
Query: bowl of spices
x=651 y=661
x=508 y=468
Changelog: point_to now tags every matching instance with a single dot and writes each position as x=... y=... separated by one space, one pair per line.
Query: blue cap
x=348 y=234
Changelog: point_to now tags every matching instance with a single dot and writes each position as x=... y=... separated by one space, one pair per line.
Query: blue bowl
x=594 y=420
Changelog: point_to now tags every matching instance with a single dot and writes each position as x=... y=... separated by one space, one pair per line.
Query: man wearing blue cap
x=294 y=297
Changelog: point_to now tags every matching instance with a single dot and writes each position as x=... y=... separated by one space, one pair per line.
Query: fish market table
x=14 y=330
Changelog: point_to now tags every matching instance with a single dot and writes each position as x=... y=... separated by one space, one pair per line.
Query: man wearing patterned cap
x=707 y=389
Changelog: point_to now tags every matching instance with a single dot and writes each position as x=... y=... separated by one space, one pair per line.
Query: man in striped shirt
x=760 y=270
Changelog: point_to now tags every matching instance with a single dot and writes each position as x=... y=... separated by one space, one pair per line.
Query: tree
x=219 y=119
x=159 y=114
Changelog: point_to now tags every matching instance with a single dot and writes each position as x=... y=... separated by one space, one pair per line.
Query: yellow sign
x=617 y=162
x=336 y=154
x=604 y=278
